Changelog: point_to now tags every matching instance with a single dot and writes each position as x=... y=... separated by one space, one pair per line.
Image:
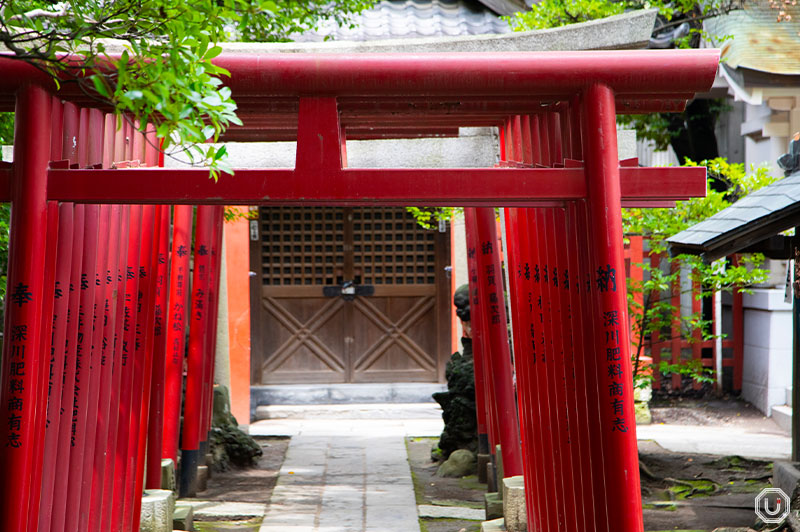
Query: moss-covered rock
x=229 y=446
x=458 y=403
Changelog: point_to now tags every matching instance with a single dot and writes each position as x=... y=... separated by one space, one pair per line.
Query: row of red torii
x=98 y=302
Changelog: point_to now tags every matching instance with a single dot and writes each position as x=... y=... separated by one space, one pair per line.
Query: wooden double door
x=348 y=295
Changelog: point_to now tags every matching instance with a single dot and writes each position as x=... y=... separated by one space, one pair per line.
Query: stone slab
x=494 y=506
x=451 y=512
x=183 y=516
x=157 y=508
x=495 y=525
x=786 y=476
x=225 y=511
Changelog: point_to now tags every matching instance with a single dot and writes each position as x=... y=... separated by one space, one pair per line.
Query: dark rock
x=228 y=445
x=458 y=403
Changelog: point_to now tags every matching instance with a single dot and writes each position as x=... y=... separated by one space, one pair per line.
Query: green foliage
x=5 y=225
x=654 y=315
x=555 y=13
x=160 y=70
x=660 y=127
x=429 y=217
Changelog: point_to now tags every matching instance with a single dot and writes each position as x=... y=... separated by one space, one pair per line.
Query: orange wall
x=237 y=262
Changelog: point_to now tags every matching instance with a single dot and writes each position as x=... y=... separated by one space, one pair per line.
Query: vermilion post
x=477 y=316
x=147 y=377
x=176 y=327
x=45 y=377
x=520 y=299
x=192 y=417
x=83 y=368
x=610 y=312
x=23 y=360
x=156 y=420
x=64 y=250
x=43 y=477
x=490 y=286
x=124 y=453
x=110 y=283
x=72 y=290
x=108 y=494
x=587 y=415
x=478 y=352
x=216 y=262
x=548 y=359
x=210 y=330
x=95 y=366
x=141 y=360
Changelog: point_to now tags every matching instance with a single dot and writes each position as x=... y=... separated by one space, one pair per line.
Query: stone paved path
x=344 y=475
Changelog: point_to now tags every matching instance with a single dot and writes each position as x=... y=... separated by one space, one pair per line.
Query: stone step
x=361 y=393
x=351 y=411
x=782 y=415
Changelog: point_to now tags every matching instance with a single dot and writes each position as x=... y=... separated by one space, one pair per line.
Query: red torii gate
x=88 y=276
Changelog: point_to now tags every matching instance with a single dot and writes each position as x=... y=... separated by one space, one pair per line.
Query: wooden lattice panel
x=389 y=247
x=302 y=246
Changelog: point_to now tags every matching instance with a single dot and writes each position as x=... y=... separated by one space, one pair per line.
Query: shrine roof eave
x=754 y=218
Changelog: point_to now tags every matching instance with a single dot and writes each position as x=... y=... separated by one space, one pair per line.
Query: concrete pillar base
x=491 y=478
x=168 y=475
x=483 y=460
x=516 y=518
x=157 y=510
x=202 y=478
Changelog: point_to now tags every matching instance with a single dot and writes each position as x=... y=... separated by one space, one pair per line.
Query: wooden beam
x=305 y=186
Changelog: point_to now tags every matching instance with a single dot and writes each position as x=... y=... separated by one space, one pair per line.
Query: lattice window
x=306 y=246
x=302 y=246
x=389 y=247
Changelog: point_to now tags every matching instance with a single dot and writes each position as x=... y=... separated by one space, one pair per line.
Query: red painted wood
x=22 y=350
x=521 y=306
x=61 y=478
x=108 y=494
x=193 y=403
x=477 y=320
x=83 y=368
x=110 y=287
x=124 y=452
x=362 y=186
x=490 y=290
x=618 y=422
x=211 y=327
x=64 y=250
x=591 y=368
x=149 y=303
x=45 y=377
x=156 y=417
x=141 y=360
x=176 y=327
x=95 y=365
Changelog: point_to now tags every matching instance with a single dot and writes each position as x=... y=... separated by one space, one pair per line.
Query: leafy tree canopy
x=150 y=60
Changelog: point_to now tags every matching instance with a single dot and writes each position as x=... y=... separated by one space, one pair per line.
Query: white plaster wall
x=767 y=370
